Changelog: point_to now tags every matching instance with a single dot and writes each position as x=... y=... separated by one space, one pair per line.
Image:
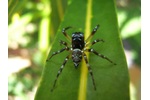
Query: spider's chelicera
x=78 y=49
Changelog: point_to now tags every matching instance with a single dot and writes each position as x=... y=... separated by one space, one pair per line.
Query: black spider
x=78 y=47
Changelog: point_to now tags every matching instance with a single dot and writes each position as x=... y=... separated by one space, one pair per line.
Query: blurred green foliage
x=129 y=18
x=32 y=27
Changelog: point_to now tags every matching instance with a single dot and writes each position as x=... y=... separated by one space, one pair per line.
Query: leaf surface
x=112 y=81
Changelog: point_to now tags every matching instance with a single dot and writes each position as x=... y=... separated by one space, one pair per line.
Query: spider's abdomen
x=76 y=57
x=78 y=40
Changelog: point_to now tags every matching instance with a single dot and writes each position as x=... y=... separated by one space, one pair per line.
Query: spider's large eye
x=81 y=34
x=73 y=35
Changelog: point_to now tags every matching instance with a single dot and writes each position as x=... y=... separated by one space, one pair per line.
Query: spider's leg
x=59 y=71
x=100 y=55
x=93 y=32
x=64 y=43
x=94 y=42
x=64 y=32
x=57 y=52
x=89 y=69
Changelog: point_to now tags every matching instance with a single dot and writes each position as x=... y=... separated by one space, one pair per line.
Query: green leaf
x=112 y=81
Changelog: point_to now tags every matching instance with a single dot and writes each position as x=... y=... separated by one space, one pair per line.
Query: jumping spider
x=78 y=49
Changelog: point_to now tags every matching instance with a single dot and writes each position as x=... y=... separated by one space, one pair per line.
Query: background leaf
x=112 y=82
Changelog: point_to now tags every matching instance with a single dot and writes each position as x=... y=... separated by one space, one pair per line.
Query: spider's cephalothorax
x=78 y=49
x=78 y=40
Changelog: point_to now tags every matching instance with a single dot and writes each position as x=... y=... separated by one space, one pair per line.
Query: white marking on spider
x=88 y=65
x=95 y=40
x=91 y=50
x=58 y=72
x=66 y=59
x=62 y=67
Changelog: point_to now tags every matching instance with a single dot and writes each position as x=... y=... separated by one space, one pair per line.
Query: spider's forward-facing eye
x=78 y=49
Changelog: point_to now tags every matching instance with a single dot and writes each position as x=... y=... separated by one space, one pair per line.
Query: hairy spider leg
x=64 y=32
x=94 y=42
x=92 y=33
x=64 y=43
x=89 y=69
x=60 y=70
x=57 y=52
x=100 y=55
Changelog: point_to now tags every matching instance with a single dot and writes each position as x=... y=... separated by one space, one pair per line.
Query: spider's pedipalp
x=64 y=43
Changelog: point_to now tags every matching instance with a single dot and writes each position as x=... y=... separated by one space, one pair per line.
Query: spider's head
x=77 y=40
x=77 y=36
